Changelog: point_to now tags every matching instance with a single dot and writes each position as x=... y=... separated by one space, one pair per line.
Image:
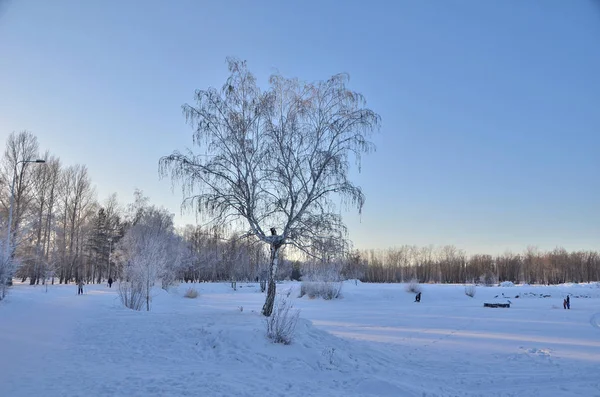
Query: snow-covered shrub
x=281 y=325
x=321 y=289
x=470 y=290
x=191 y=293
x=413 y=286
x=318 y=271
x=329 y=355
x=5 y=277
x=507 y=284
x=322 y=279
x=488 y=279
x=131 y=294
x=8 y=267
x=150 y=250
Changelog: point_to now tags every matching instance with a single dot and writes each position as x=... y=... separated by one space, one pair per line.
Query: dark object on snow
x=110 y=281
x=273 y=231
x=567 y=303
x=507 y=305
x=418 y=297
x=80 y=287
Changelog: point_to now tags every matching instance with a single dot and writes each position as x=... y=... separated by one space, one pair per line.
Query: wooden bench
x=496 y=305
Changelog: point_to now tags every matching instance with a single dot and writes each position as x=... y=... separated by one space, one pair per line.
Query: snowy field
x=374 y=342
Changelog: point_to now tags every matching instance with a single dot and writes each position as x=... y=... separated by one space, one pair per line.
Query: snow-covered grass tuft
x=413 y=286
x=191 y=293
x=321 y=289
x=470 y=290
x=131 y=294
x=281 y=325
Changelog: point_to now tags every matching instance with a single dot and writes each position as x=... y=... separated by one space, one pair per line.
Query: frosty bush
x=149 y=251
x=318 y=271
x=470 y=290
x=191 y=293
x=7 y=271
x=282 y=322
x=131 y=294
x=5 y=277
x=507 y=284
x=321 y=289
x=413 y=286
x=488 y=279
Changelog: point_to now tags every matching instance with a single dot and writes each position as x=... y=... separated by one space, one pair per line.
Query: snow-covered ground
x=374 y=342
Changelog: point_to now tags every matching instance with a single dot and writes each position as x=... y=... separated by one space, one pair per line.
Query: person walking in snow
x=80 y=287
x=110 y=281
x=565 y=304
x=568 y=301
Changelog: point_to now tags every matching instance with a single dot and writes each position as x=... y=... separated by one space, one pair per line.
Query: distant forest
x=451 y=265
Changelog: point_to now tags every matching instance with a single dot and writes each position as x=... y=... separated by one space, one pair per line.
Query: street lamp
x=109 y=252
x=7 y=250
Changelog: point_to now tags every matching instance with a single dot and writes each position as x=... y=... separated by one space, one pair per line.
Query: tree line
x=61 y=232
x=449 y=264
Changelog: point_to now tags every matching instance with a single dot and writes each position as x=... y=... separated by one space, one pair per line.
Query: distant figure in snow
x=110 y=281
x=418 y=297
x=568 y=301
x=80 y=287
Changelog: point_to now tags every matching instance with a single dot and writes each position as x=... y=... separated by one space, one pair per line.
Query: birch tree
x=148 y=251
x=274 y=161
x=16 y=175
x=20 y=147
x=77 y=206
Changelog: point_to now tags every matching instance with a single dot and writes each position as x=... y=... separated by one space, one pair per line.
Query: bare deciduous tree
x=78 y=206
x=274 y=160
x=17 y=181
x=20 y=147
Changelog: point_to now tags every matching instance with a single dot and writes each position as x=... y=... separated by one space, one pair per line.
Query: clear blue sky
x=491 y=109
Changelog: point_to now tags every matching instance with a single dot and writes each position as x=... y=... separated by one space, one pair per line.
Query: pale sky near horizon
x=490 y=111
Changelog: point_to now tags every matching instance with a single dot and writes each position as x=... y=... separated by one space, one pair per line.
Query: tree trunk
x=148 y=292
x=270 y=301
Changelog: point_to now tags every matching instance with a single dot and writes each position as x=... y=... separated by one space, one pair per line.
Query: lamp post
x=109 y=252
x=8 y=250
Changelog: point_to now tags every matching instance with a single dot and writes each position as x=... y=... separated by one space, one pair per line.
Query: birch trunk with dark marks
x=272 y=289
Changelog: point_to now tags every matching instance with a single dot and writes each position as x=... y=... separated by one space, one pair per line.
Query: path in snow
x=36 y=334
